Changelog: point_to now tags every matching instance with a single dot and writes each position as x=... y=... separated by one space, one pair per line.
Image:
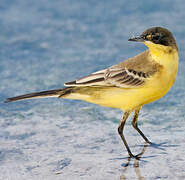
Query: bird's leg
x=134 y=124
x=120 y=131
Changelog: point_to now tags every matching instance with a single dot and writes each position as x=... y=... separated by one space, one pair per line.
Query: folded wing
x=113 y=76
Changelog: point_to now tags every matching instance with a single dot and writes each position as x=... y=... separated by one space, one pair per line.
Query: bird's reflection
x=135 y=165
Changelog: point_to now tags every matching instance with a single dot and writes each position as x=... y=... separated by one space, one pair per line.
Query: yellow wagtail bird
x=130 y=84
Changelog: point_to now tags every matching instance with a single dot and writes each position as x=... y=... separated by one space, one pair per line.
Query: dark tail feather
x=50 y=93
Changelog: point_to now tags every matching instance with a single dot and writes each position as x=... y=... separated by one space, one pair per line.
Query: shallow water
x=46 y=43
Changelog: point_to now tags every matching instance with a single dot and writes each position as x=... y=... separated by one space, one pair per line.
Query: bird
x=128 y=85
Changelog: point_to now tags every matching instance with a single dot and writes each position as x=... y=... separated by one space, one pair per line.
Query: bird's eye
x=149 y=37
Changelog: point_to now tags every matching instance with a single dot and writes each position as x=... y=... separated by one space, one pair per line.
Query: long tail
x=51 y=93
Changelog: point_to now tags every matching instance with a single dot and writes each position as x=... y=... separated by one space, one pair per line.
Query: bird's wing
x=114 y=76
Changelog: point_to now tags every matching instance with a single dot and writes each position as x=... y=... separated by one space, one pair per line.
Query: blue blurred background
x=46 y=43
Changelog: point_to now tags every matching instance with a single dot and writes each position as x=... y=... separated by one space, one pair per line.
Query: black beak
x=137 y=39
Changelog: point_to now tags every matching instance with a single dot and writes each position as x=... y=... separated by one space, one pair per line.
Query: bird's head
x=157 y=38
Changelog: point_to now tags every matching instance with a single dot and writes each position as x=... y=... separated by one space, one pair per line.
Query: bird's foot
x=138 y=156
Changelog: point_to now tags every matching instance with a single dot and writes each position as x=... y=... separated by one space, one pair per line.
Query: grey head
x=157 y=35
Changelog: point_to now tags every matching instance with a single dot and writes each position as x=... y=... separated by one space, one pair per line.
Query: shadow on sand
x=137 y=160
x=135 y=165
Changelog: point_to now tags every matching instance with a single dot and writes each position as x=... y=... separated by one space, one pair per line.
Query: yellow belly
x=130 y=99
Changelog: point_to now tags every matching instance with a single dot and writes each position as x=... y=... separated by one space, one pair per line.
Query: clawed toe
x=138 y=156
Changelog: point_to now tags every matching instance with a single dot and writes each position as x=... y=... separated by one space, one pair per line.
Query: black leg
x=134 y=124
x=120 y=131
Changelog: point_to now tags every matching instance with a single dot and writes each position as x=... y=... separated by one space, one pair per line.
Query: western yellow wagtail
x=129 y=85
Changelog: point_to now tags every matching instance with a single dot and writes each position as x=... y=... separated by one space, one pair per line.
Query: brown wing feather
x=128 y=74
